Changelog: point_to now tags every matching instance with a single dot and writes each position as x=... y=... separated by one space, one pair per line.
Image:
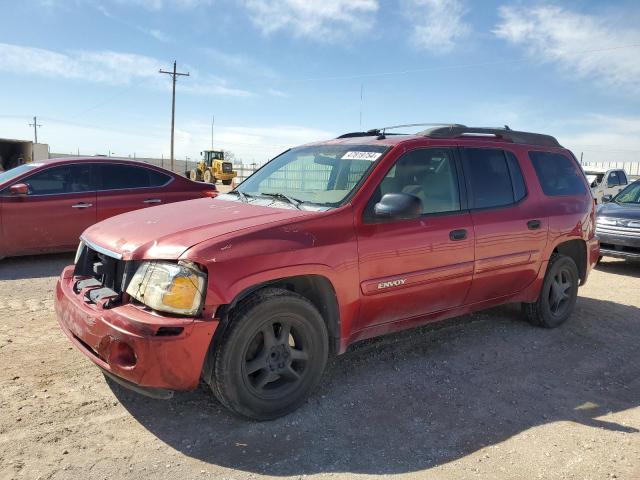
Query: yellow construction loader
x=212 y=168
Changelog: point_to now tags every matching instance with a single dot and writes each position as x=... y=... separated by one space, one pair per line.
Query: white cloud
x=320 y=20
x=107 y=67
x=240 y=63
x=249 y=144
x=437 y=24
x=556 y=34
x=605 y=138
x=160 y=4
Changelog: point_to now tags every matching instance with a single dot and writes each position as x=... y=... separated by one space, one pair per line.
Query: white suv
x=605 y=181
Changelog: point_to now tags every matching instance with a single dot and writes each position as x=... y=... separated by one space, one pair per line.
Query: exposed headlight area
x=177 y=288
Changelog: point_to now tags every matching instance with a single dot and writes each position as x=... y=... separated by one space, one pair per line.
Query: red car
x=325 y=245
x=45 y=206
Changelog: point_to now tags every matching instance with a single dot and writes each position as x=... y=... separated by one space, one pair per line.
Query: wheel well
x=577 y=250
x=315 y=288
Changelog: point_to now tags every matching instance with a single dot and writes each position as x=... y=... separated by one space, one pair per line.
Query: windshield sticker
x=371 y=156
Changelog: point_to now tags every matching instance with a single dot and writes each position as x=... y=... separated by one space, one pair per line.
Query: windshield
x=15 y=172
x=631 y=194
x=594 y=178
x=322 y=174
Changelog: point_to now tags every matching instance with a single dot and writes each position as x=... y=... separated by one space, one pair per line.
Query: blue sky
x=279 y=73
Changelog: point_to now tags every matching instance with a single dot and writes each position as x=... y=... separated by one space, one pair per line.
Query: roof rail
x=526 y=138
x=382 y=131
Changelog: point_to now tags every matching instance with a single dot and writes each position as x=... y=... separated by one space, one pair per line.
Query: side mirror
x=398 y=206
x=607 y=198
x=19 y=189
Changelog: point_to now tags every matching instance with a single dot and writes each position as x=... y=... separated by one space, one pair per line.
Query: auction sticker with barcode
x=371 y=156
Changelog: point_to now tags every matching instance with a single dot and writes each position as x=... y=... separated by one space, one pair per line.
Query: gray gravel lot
x=482 y=396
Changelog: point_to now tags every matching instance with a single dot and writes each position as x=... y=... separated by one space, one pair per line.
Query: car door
x=124 y=187
x=410 y=268
x=60 y=205
x=510 y=225
x=613 y=183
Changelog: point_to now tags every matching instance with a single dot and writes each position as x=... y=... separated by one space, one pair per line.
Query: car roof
x=63 y=160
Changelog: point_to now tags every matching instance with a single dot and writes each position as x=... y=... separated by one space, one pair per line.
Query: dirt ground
x=484 y=396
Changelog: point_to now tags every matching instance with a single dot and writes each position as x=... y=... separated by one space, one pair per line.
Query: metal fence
x=632 y=168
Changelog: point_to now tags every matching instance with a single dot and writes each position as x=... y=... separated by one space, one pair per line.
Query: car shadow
x=421 y=398
x=34 y=266
x=620 y=267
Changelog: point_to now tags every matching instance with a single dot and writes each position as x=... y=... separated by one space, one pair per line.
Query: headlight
x=169 y=287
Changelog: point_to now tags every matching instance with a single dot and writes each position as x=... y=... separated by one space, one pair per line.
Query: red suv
x=325 y=245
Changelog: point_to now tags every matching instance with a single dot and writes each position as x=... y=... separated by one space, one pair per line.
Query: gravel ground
x=483 y=396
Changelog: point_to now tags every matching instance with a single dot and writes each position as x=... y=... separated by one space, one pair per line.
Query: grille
x=227 y=167
x=619 y=227
x=103 y=276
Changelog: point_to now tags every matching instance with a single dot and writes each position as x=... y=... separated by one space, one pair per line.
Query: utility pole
x=174 y=74
x=213 y=119
x=35 y=126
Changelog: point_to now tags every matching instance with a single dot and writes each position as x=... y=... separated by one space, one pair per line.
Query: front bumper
x=619 y=246
x=132 y=345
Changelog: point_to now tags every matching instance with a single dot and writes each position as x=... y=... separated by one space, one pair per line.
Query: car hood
x=616 y=210
x=166 y=232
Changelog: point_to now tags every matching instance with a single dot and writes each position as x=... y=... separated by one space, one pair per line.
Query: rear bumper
x=124 y=342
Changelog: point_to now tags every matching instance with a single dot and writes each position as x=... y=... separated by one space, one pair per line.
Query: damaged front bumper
x=146 y=352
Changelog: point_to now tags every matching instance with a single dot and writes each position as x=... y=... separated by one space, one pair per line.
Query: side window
x=613 y=180
x=117 y=177
x=62 y=179
x=622 y=176
x=558 y=175
x=429 y=174
x=489 y=179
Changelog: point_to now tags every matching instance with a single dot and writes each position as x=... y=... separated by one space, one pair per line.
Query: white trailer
x=17 y=152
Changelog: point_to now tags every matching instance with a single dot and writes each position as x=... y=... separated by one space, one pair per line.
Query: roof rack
x=457 y=131
x=381 y=132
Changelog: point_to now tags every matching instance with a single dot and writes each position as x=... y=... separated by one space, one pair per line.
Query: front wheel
x=558 y=295
x=208 y=177
x=271 y=356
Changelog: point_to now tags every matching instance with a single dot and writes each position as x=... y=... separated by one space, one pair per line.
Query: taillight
x=209 y=193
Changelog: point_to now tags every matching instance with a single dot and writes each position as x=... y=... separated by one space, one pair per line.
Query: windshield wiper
x=281 y=196
x=242 y=196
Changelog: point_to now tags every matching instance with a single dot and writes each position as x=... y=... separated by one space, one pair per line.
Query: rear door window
x=120 y=177
x=61 y=179
x=558 y=174
x=493 y=177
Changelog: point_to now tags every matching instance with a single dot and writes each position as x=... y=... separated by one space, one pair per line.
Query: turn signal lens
x=181 y=293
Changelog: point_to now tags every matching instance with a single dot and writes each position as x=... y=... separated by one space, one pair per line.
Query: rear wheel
x=272 y=355
x=226 y=182
x=558 y=295
x=193 y=175
x=207 y=176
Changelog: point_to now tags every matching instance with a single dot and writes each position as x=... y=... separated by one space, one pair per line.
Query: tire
x=208 y=178
x=193 y=175
x=226 y=182
x=263 y=376
x=558 y=294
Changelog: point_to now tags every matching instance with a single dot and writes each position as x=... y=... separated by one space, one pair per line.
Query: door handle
x=152 y=200
x=82 y=205
x=534 y=224
x=457 y=235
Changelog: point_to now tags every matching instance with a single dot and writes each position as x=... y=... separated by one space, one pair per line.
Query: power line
x=35 y=126
x=174 y=76
x=451 y=67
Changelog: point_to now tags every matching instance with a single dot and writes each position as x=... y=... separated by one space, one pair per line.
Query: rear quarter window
x=558 y=174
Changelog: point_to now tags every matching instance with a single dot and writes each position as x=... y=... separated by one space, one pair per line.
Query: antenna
x=361 y=94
